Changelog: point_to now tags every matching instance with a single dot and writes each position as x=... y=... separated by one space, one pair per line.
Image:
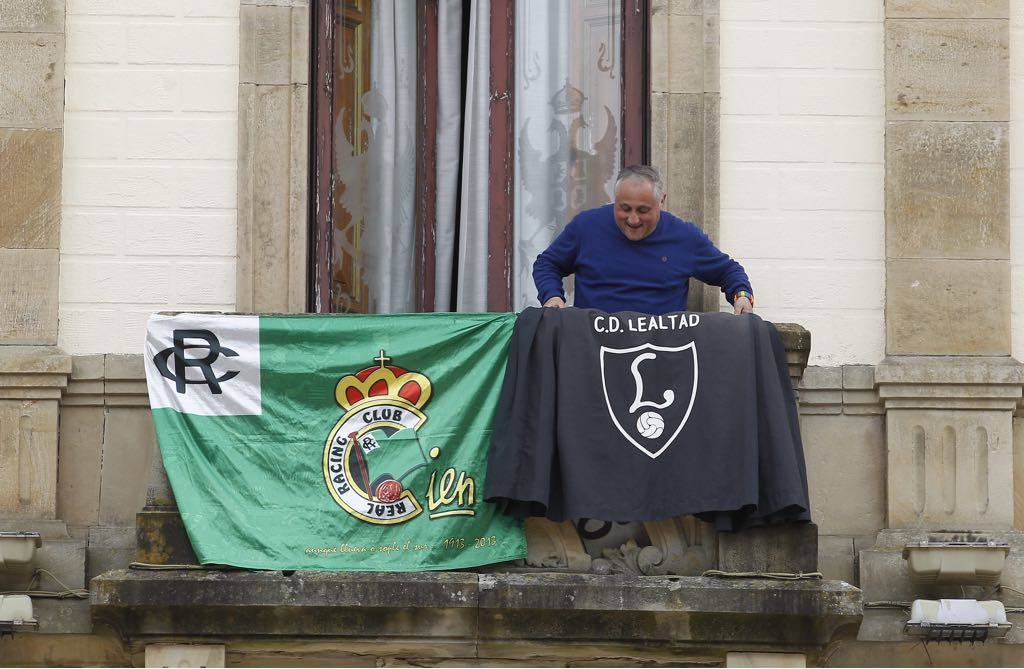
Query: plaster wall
x=150 y=153
x=1016 y=300
x=802 y=176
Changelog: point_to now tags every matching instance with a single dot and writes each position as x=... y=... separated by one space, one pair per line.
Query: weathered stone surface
x=908 y=652
x=63 y=616
x=951 y=376
x=300 y=45
x=28 y=458
x=265 y=45
x=555 y=608
x=64 y=562
x=271 y=199
x=161 y=538
x=885 y=575
x=946 y=307
x=782 y=548
x=129 y=447
x=947 y=70
x=959 y=206
x=947 y=9
x=40 y=362
x=677 y=149
x=837 y=559
x=677 y=7
x=742 y=659
x=110 y=548
x=712 y=39
x=30 y=177
x=710 y=213
x=31 y=80
x=846 y=474
x=28 y=295
x=1018 y=473
x=949 y=469
x=124 y=383
x=32 y=16
x=677 y=53
x=184 y=655
x=78 y=473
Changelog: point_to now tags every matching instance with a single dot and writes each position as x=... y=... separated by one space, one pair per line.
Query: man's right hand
x=555 y=302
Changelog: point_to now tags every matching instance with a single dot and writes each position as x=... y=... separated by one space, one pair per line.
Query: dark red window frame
x=635 y=141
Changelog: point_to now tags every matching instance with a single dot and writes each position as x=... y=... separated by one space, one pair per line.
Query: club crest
x=649 y=391
x=372 y=453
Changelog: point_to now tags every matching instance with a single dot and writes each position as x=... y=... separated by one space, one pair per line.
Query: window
x=443 y=165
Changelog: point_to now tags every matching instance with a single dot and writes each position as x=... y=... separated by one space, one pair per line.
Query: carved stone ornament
x=682 y=546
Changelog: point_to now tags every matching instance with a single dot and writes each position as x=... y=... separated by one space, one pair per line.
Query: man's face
x=636 y=209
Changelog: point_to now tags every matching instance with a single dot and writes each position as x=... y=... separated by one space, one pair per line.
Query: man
x=632 y=256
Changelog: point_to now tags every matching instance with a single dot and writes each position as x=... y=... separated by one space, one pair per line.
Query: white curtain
x=568 y=103
x=449 y=123
x=474 y=216
x=390 y=105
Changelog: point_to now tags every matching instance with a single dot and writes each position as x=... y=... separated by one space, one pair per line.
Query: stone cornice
x=950 y=382
x=33 y=372
x=651 y=611
x=849 y=389
x=107 y=380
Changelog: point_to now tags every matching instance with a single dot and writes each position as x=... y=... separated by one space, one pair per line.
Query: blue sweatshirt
x=649 y=276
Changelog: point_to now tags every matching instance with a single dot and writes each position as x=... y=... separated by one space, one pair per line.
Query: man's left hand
x=742 y=305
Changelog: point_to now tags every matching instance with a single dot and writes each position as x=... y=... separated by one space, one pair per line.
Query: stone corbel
x=949 y=429
x=682 y=546
x=557 y=546
x=32 y=381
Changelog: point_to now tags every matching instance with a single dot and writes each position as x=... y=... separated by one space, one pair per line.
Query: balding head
x=644 y=173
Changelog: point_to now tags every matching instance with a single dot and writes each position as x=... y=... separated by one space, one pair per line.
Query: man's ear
x=664 y=196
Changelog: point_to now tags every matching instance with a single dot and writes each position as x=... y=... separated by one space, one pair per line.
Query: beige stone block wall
x=942 y=9
x=273 y=122
x=30 y=162
x=31 y=80
x=947 y=70
x=1018 y=472
x=947 y=187
x=28 y=301
x=947 y=307
x=845 y=457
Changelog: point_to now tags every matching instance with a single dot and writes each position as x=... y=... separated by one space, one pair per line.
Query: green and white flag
x=332 y=442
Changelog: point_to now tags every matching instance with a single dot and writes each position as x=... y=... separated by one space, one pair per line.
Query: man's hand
x=742 y=305
x=555 y=302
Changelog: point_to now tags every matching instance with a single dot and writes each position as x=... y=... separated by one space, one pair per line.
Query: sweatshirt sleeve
x=556 y=262
x=718 y=269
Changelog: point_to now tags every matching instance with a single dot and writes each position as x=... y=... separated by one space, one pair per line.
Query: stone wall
x=802 y=175
x=1017 y=177
x=273 y=156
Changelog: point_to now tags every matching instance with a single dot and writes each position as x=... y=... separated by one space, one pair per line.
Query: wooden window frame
x=635 y=147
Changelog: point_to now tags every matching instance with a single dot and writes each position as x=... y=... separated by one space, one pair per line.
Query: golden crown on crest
x=382 y=380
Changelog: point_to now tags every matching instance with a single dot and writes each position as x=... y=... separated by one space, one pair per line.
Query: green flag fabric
x=342 y=442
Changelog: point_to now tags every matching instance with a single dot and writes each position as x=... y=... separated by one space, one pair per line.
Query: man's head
x=639 y=195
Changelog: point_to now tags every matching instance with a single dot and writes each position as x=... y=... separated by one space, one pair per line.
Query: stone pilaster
x=684 y=133
x=273 y=121
x=948 y=387
x=947 y=178
x=31 y=122
x=32 y=379
x=949 y=423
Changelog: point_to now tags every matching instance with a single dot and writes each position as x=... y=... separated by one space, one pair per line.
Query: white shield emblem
x=649 y=391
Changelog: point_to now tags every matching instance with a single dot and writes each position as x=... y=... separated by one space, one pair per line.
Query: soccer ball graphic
x=650 y=424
